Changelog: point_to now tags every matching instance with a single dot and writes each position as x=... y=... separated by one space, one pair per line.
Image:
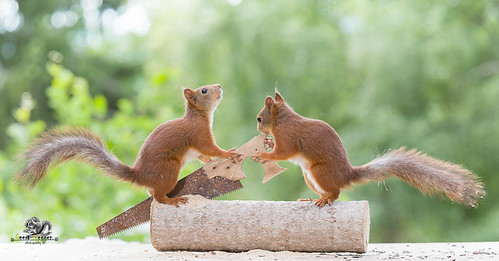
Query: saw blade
x=196 y=183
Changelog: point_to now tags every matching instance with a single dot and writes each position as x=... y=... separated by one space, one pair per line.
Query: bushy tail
x=57 y=146
x=429 y=175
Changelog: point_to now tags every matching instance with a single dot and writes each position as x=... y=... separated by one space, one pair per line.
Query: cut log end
x=205 y=225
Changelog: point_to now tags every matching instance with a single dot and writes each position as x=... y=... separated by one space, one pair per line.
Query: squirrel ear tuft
x=188 y=93
x=269 y=102
x=278 y=97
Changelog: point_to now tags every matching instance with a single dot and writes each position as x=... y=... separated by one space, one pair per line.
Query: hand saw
x=217 y=177
x=196 y=183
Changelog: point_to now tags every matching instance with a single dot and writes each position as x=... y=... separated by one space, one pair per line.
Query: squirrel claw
x=321 y=202
x=174 y=201
x=236 y=157
x=181 y=200
x=259 y=158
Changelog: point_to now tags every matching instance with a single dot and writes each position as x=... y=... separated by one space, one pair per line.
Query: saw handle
x=232 y=170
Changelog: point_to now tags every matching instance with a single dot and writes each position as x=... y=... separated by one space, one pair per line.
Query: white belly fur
x=189 y=156
x=305 y=167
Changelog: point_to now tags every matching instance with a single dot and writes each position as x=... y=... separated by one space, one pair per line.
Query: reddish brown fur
x=160 y=158
x=319 y=150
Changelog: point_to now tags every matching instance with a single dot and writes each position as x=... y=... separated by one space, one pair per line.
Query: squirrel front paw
x=234 y=156
x=260 y=158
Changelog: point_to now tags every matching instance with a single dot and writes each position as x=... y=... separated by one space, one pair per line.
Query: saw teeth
x=227 y=192
x=128 y=228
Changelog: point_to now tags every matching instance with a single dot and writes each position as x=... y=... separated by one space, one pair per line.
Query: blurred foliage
x=384 y=74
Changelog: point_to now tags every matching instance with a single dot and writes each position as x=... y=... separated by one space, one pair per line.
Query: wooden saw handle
x=232 y=170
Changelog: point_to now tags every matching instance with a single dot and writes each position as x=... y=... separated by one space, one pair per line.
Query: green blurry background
x=384 y=74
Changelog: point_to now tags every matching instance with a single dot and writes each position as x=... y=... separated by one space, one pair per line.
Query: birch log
x=205 y=225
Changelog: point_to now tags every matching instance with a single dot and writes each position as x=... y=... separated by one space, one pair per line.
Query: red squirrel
x=164 y=153
x=317 y=148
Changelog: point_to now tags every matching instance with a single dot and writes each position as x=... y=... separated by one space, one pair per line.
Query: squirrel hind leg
x=159 y=193
x=327 y=198
x=161 y=198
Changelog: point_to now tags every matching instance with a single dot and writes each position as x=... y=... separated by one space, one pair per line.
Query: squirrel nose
x=218 y=85
x=259 y=119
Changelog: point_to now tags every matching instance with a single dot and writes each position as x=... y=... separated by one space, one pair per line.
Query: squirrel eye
x=259 y=119
x=204 y=91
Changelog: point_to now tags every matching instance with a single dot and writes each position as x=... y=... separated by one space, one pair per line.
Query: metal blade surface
x=196 y=183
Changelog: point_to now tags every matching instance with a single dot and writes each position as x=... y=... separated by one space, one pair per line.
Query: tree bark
x=205 y=225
